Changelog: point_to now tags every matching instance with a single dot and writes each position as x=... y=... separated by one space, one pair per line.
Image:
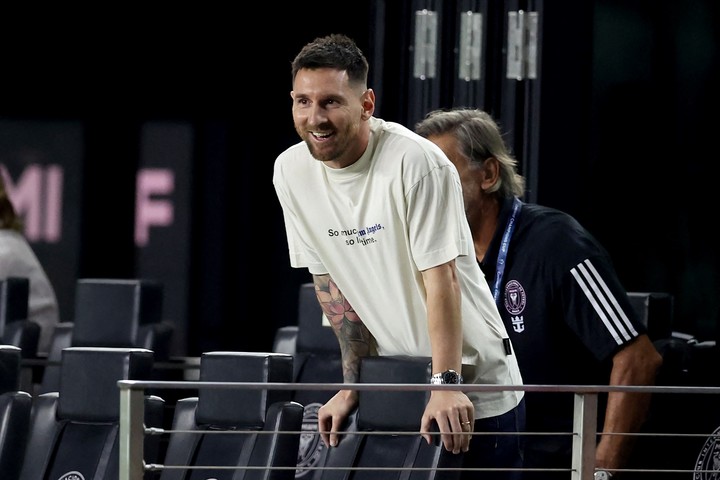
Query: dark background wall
x=627 y=129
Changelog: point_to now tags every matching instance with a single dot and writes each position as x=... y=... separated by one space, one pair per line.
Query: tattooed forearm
x=355 y=342
x=355 y=339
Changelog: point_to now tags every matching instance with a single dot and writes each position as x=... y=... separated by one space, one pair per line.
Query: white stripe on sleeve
x=603 y=301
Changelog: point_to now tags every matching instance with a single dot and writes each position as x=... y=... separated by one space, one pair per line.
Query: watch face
x=601 y=475
x=450 y=377
x=447 y=377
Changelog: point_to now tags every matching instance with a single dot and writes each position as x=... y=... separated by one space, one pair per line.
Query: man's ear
x=490 y=173
x=368 y=103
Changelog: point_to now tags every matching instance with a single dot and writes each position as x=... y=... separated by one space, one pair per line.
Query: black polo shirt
x=563 y=306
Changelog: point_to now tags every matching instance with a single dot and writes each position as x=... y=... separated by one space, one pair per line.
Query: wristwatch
x=448 y=377
x=602 y=475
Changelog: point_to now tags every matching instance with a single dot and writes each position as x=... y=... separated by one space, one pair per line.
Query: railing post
x=132 y=431
x=584 y=441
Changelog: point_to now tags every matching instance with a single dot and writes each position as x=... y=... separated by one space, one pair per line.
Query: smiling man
x=375 y=213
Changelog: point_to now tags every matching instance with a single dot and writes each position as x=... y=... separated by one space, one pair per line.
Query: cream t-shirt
x=374 y=226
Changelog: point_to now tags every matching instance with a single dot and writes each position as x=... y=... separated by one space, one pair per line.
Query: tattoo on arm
x=355 y=339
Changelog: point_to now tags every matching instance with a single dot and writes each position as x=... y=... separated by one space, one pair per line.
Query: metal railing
x=133 y=431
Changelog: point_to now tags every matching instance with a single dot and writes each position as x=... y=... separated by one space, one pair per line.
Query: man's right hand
x=333 y=414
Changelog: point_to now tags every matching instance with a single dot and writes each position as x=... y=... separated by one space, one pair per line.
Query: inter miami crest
x=707 y=466
x=515 y=301
x=311 y=445
x=72 y=476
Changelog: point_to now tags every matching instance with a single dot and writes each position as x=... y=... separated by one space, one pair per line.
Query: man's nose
x=317 y=114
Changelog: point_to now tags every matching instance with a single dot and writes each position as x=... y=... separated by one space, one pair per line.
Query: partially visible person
x=17 y=259
x=375 y=213
x=568 y=315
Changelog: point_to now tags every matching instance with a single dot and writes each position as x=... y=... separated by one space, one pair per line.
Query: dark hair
x=335 y=51
x=479 y=138
x=8 y=217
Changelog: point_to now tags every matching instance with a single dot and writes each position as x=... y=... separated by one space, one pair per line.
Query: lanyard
x=504 y=245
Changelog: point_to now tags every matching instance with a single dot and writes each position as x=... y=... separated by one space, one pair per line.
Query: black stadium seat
x=15 y=328
x=655 y=310
x=236 y=427
x=317 y=360
x=15 y=408
x=74 y=431
x=10 y=356
x=366 y=452
x=122 y=313
x=317 y=351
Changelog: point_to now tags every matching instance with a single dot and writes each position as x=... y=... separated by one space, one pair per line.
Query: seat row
x=222 y=432
x=108 y=313
x=125 y=314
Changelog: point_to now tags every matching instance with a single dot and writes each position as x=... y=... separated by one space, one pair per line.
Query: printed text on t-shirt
x=359 y=236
